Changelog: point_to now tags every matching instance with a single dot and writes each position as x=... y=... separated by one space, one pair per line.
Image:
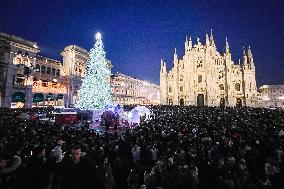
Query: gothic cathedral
x=205 y=77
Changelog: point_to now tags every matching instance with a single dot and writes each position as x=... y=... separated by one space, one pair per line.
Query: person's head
x=39 y=151
x=60 y=142
x=3 y=162
x=76 y=154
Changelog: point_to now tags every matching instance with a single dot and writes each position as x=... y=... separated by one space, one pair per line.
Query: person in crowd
x=78 y=171
x=8 y=170
x=194 y=147
x=37 y=171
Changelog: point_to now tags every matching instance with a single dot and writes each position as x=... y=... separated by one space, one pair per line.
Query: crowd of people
x=179 y=147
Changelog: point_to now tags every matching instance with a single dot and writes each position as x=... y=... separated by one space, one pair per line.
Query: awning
x=18 y=97
x=60 y=96
x=38 y=97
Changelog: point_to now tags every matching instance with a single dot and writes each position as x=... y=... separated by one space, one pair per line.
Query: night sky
x=137 y=34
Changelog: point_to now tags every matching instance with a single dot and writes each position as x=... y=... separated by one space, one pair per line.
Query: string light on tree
x=95 y=92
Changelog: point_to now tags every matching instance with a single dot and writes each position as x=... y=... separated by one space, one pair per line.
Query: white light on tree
x=98 y=36
x=95 y=90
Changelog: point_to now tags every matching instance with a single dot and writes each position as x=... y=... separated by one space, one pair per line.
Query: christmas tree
x=95 y=90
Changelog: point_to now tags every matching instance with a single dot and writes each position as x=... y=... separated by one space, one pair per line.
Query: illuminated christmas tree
x=95 y=90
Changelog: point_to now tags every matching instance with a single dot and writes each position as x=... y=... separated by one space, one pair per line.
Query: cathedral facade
x=204 y=76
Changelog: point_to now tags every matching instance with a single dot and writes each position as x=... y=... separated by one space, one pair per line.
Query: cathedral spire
x=244 y=56
x=207 y=39
x=198 y=41
x=163 y=66
x=249 y=51
x=227 y=47
x=175 y=55
x=250 y=57
x=212 y=38
x=186 y=44
x=190 y=42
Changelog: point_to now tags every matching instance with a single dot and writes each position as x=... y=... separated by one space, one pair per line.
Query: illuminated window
x=44 y=83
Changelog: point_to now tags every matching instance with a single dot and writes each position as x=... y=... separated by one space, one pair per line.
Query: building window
x=170 y=89
x=53 y=71
x=221 y=86
x=58 y=72
x=199 y=78
x=43 y=68
x=48 y=70
x=181 y=88
x=181 y=78
x=37 y=68
x=237 y=87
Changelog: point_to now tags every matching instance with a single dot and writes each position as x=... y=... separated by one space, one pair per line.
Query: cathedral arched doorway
x=200 y=100
x=222 y=103
x=239 y=102
x=181 y=102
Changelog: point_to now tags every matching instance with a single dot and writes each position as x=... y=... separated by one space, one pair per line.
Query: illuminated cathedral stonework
x=205 y=76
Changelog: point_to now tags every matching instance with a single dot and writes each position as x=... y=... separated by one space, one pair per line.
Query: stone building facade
x=204 y=76
x=271 y=96
x=17 y=60
x=49 y=83
x=130 y=90
x=30 y=80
